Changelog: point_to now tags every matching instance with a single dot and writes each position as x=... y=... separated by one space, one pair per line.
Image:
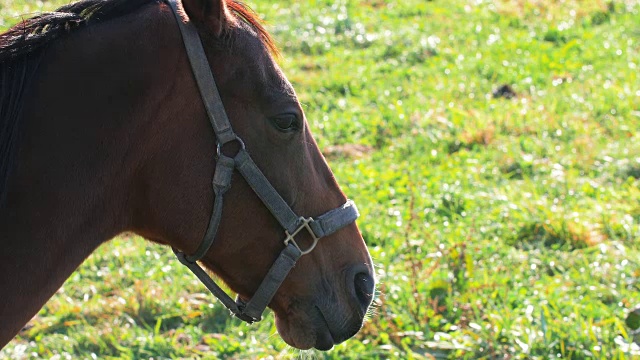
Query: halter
x=293 y=224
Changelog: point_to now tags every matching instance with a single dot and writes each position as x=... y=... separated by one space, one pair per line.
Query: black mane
x=21 y=48
x=32 y=34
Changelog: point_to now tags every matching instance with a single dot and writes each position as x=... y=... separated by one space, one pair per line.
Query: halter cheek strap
x=293 y=224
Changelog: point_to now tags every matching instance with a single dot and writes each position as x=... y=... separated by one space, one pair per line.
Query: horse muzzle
x=330 y=316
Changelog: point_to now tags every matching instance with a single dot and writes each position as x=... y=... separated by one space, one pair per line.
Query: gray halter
x=293 y=224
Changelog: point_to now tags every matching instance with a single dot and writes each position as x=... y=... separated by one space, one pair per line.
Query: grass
x=502 y=227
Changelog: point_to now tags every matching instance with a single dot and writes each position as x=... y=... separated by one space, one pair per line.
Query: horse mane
x=21 y=48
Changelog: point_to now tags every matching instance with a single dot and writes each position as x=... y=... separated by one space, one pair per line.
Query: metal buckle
x=304 y=225
x=219 y=146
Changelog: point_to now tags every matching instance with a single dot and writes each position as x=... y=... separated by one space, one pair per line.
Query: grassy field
x=504 y=224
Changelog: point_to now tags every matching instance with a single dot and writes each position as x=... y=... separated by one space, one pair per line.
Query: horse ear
x=211 y=13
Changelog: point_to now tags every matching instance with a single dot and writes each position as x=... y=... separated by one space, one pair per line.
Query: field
x=493 y=148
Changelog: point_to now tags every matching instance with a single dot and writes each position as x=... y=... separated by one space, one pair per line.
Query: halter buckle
x=304 y=225
x=219 y=146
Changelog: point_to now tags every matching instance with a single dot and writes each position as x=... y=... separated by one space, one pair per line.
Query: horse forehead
x=266 y=77
x=258 y=69
x=279 y=83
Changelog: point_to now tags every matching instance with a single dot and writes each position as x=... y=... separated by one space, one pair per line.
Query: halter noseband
x=293 y=224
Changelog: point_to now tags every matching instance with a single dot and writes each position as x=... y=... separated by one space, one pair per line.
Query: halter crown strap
x=293 y=224
x=204 y=78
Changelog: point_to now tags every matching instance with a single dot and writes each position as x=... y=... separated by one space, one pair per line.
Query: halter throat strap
x=293 y=224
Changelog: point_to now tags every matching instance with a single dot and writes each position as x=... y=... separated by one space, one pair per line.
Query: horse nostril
x=364 y=286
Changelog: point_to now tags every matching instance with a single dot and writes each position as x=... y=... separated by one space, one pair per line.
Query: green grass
x=501 y=228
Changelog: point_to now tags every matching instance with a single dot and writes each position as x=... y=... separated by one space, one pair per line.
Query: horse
x=106 y=129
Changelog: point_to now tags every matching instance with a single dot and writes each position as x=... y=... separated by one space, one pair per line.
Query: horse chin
x=311 y=327
x=305 y=330
x=294 y=332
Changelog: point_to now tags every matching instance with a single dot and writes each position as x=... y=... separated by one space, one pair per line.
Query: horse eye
x=285 y=122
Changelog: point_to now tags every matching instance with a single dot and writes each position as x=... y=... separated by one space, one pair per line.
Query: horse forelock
x=249 y=17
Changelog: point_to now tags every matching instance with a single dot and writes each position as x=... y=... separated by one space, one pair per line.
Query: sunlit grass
x=501 y=226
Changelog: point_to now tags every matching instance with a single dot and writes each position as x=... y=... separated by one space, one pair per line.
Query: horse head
x=324 y=298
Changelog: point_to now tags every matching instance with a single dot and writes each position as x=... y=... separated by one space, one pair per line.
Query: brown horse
x=103 y=131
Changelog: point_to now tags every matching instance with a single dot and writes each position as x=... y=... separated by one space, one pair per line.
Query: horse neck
x=82 y=145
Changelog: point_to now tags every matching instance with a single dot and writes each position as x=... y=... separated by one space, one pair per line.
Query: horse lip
x=328 y=345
